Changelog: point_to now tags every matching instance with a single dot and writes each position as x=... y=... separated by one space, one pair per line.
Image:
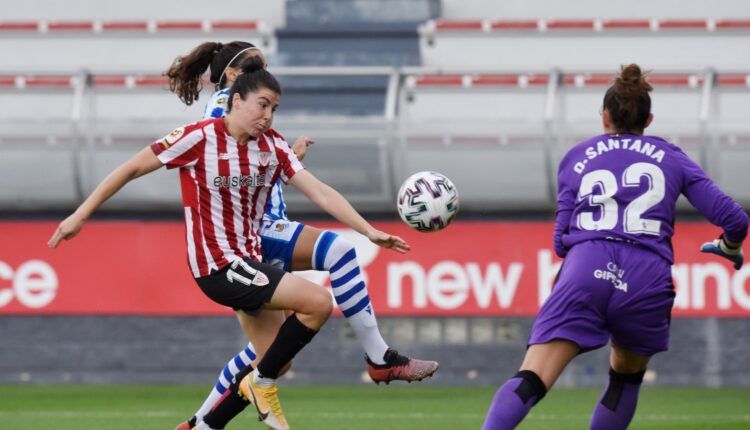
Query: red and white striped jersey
x=225 y=187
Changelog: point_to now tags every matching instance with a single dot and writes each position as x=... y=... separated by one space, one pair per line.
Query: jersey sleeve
x=180 y=148
x=566 y=200
x=288 y=162
x=705 y=195
x=217 y=106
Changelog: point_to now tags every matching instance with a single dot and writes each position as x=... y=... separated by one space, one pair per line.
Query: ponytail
x=185 y=72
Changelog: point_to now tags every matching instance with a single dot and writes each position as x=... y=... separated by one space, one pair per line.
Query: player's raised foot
x=266 y=401
x=186 y=425
x=399 y=367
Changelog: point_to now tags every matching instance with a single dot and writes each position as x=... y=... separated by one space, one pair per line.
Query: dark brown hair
x=628 y=101
x=254 y=77
x=185 y=72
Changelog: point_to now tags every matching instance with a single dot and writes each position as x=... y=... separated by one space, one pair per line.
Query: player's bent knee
x=628 y=367
x=342 y=245
x=319 y=305
x=624 y=361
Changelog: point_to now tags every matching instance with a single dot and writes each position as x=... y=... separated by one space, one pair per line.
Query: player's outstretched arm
x=142 y=163
x=336 y=205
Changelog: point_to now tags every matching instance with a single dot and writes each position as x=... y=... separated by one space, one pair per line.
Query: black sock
x=292 y=337
x=229 y=405
x=616 y=385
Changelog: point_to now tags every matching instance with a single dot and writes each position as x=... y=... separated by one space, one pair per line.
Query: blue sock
x=243 y=359
x=513 y=400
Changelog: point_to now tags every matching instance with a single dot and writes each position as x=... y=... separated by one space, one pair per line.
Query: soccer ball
x=427 y=201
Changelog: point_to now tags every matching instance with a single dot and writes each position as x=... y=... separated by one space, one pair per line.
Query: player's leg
x=327 y=251
x=541 y=367
x=311 y=306
x=251 y=286
x=227 y=375
x=617 y=404
x=262 y=329
x=274 y=250
x=571 y=321
x=639 y=318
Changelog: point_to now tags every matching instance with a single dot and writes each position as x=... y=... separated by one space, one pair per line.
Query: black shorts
x=244 y=285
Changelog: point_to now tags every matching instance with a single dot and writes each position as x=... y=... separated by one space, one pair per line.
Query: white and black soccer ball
x=427 y=201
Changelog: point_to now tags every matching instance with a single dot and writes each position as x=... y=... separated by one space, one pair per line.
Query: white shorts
x=278 y=238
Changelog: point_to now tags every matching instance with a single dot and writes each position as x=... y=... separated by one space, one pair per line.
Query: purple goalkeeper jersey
x=624 y=187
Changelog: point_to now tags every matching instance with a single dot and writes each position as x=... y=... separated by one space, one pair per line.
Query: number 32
x=607 y=182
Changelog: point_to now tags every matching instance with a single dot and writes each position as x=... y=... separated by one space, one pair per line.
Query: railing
x=390 y=137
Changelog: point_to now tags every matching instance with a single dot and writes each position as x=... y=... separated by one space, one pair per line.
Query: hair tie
x=252 y=48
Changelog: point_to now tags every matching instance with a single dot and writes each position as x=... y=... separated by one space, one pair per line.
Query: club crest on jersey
x=222 y=101
x=281 y=227
x=264 y=158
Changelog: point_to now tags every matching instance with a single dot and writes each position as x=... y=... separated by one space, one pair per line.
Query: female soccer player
x=227 y=169
x=289 y=245
x=615 y=220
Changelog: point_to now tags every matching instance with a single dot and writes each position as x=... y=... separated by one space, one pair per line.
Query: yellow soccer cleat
x=266 y=401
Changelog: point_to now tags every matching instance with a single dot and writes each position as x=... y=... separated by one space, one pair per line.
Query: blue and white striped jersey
x=216 y=108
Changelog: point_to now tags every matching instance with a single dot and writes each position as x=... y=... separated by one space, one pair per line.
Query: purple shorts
x=609 y=290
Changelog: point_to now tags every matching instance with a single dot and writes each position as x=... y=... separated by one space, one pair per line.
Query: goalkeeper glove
x=722 y=249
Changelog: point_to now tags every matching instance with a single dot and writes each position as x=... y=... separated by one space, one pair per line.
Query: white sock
x=200 y=425
x=338 y=256
x=261 y=381
x=366 y=328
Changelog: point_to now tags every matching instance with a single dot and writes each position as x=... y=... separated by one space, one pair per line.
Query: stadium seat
x=599 y=44
x=524 y=9
x=123 y=46
x=463 y=124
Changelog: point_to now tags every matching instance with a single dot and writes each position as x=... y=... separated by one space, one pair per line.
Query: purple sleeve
x=565 y=204
x=716 y=206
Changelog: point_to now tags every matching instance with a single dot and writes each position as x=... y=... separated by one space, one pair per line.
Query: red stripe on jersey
x=243 y=152
x=284 y=162
x=227 y=210
x=189 y=155
x=207 y=224
x=189 y=192
x=262 y=147
x=200 y=254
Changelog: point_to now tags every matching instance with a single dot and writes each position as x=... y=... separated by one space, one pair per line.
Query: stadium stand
x=599 y=43
x=526 y=9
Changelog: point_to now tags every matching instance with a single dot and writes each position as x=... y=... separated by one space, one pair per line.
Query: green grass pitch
x=407 y=407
